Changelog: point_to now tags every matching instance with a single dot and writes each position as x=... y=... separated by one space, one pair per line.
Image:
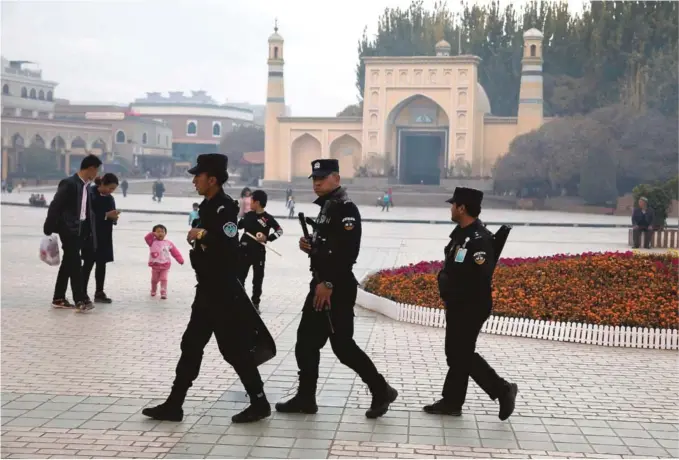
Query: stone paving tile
x=91 y=407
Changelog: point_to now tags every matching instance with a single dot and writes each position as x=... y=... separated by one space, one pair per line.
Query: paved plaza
x=73 y=385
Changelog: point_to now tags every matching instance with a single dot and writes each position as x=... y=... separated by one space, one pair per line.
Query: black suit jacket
x=63 y=215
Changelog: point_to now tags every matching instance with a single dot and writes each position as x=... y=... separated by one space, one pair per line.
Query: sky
x=116 y=51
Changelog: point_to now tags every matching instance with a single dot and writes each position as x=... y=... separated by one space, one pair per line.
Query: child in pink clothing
x=159 y=258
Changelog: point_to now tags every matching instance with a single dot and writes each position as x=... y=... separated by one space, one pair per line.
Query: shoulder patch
x=230 y=229
x=349 y=223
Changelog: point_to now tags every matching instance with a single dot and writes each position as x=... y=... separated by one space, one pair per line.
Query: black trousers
x=636 y=237
x=99 y=273
x=314 y=331
x=462 y=331
x=71 y=265
x=256 y=260
x=209 y=315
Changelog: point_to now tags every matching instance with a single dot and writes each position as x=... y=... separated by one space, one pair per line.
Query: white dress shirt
x=83 y=203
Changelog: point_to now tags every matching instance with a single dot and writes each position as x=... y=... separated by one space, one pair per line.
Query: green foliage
x=659 y=199
x=353 y=110
x=614 y=52
x=242 y=139
x=597 y=179
x=641 y=145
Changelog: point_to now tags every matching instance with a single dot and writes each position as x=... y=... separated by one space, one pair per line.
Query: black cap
x=323 y=168
x=212 y=163
x=466 y=196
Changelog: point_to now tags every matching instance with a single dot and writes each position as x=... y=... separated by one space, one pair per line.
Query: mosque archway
x=348 y=151
x=303 y=151
x=417 y=133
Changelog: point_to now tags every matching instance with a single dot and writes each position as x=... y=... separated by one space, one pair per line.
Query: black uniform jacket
x=215 y=256
x=254 y=223
x=336 y=239
x=465 y=282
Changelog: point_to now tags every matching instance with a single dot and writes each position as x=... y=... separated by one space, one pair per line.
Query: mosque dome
x=533 y=33
x=483 y=105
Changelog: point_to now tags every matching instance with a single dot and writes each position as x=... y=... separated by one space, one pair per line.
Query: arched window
x=533 y=49
x=216 y=129
x=5 y=89
x=275 y=52
x=144 y=138
x=191 y=128
x=120 y=137
x=24 y=92
x=33 y=94
x=41 y=95
x=49 y=95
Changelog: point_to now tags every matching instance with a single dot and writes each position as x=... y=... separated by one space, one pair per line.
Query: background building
x=24 y=92
x=423 y=116
x=198 y=123
x=258 y=111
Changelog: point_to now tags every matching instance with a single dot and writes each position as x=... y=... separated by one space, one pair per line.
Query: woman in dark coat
x=106 y=216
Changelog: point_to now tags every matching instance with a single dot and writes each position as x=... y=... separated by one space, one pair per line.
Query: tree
x=352 y=110
x=241 y=140
x=597 y=179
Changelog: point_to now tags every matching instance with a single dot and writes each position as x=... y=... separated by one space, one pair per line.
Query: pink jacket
x=160 y=251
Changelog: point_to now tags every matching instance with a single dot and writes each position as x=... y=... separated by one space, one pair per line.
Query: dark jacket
x=101 y=204
x=641 y=219
x=63 y=214
x=465 y=282
x=215 y=257
x=254 y=223
x=336 y=241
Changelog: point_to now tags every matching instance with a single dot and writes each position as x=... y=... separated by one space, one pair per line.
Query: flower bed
x=614 y=289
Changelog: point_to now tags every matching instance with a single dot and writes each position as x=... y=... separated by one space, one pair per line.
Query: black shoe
x=381 y=401
x=166 y=412
x=298 y=404
x=62 y=304
x=254 y=412
x=442 y=407
x=101 y=297
x=84 y=306
x=508 y=401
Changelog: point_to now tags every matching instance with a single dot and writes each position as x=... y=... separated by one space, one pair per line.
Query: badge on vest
x=230 y=229
x=480 y=257
x=460 y=255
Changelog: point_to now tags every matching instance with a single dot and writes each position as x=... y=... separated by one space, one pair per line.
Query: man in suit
x=70 y=215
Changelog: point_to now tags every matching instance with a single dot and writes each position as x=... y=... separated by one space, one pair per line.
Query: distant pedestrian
x=193 y=215
x=291 y=206
x=159 y=190
x=288 y=192
x=123 y=186
x=245 y=202
x=160 y=251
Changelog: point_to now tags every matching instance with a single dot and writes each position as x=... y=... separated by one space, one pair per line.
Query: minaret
x=530 y=92
x=275 y=107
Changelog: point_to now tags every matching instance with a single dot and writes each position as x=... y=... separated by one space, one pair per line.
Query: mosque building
x=422 y=115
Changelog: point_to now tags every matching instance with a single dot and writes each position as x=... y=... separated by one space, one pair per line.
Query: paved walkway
x=174 y=204
x=74 y=385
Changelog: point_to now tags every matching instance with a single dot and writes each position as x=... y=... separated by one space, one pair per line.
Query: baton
x=267 y=247
x=305 y=231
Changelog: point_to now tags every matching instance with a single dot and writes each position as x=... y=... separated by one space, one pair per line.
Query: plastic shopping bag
x=49 y=249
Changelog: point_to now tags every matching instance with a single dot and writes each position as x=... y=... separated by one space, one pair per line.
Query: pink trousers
x=159 y=274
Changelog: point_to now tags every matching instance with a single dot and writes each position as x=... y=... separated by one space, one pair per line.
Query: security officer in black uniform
x=328 y=311
x=215 y=308
x=465 y=286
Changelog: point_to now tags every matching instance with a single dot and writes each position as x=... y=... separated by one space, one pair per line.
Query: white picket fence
x=609 y=336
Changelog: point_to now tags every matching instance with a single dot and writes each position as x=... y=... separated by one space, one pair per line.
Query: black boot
x=508 y=401
x=304 y=402
x=166 y=411
x=381 y=400
x=101 y=297
x=258 y=409
x=443 y=407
